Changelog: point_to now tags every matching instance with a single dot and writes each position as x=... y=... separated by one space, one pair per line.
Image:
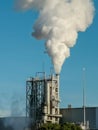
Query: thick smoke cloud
x=58 y=23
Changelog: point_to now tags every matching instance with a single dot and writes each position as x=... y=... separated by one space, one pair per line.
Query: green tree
x=70 y=126
x=50 y=126
x=65 y=126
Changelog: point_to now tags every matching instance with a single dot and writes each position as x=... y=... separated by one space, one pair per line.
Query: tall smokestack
x=58 y=78
x=58 y=23
x=58 y=84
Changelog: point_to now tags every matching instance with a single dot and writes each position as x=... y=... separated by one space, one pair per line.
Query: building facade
x=42 y=99
x=76 y=115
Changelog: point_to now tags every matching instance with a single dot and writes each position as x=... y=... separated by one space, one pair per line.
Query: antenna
x=84 y=100
x=43 y=66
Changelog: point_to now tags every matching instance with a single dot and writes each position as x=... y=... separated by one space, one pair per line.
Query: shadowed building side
x=76 y=115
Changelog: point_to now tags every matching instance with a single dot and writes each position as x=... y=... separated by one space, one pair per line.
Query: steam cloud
x=58 y=23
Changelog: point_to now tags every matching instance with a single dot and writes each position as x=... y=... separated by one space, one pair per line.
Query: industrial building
x=72 y=115
x=75 y=115
x=42 y=99
x=14 y=123
x=42 y=104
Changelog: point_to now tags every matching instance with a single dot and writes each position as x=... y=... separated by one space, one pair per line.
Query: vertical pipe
x=48 y=101
x=26 y=100
x=84 y=113
x=58 y=83
x=84 y=100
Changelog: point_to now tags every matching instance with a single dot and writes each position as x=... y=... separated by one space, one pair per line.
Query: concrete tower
x=42 y=99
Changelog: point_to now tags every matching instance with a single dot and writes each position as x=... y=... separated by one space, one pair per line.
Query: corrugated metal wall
x=97 y=117
x=76 y=115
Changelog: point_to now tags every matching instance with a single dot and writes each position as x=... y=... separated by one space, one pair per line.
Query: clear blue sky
x=21 y=56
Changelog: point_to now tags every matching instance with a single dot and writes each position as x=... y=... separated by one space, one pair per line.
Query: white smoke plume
x=58 y=23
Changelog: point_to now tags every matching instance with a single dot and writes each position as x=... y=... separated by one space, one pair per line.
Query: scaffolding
x=42 y=99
